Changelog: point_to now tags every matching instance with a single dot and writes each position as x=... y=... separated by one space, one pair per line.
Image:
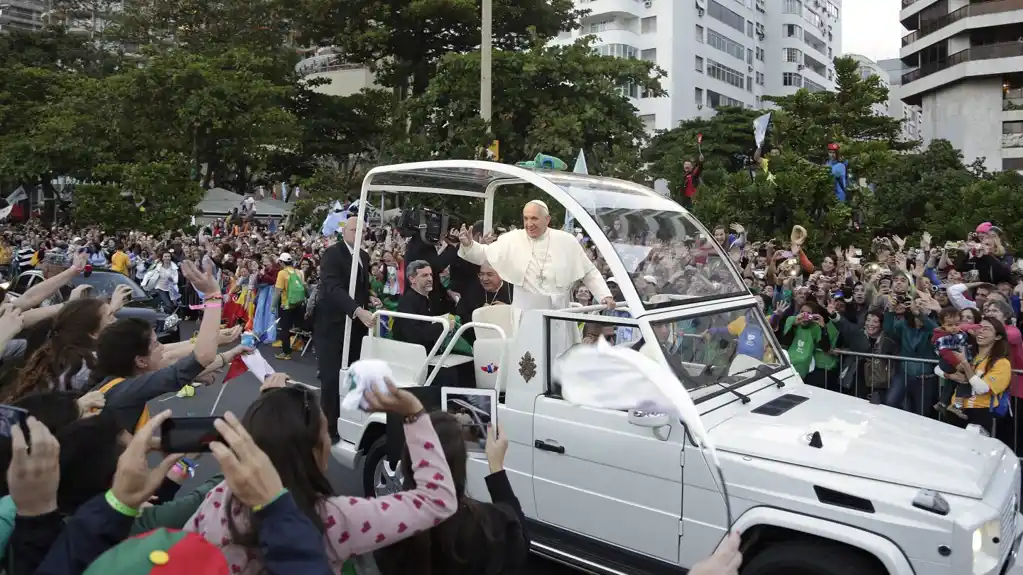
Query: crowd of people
x=926 y=328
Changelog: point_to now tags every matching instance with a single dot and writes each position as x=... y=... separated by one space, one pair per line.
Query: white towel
x=363 y=375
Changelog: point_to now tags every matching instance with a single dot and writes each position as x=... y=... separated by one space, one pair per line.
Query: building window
x=1012 y=164
x=791 y=79
x=756 y=100
x=1012 y=127
x=760 y=54
x=749 y=29
x=699 y=96
x=726 y=16
x=715 y=100
x=749 y=56
x=699 y=64
x=618 y=50
x=648 y=25
x=699 y=33
x=649 y=122
x=813 y=86
x=792 y=55
x=832 y=11
x=749 y=83
x=727 y=46
x=649 y=55
x=725 y=74
x=792 y=31
x=793 y=7
x=760 y=78
x=813 y=18
x=602 y=26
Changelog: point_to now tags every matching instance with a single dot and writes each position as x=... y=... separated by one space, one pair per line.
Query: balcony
x=978 y=9
x=325 y=63
x=908 y=3
x=994 y=51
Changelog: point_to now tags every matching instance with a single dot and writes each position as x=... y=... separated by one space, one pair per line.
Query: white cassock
x=544 y=271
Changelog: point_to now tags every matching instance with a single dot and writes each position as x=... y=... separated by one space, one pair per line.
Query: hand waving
x=120 y=297
x=32 y=477
x=397 y=401
x=203 y=281
x=249 y=472
x=135 y=482
x=465 y=236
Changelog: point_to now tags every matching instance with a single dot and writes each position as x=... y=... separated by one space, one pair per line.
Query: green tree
x=150 y=196
x=406 y=39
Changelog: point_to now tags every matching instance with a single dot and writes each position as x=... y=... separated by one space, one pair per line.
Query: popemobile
x=818 y=483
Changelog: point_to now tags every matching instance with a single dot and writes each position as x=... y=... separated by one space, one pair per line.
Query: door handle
x=544 y=446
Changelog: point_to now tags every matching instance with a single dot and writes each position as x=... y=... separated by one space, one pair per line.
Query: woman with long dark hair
x=989 y=376
x=69 y=354
x=480 y=538
x=289 y=426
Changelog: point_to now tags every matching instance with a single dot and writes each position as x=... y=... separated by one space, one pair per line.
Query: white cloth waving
x=548 y=265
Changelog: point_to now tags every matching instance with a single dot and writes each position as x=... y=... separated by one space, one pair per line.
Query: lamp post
x=486 y=50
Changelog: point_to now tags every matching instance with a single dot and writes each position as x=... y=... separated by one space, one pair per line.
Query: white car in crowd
x=818 y=482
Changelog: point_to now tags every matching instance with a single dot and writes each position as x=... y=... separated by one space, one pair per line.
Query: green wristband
x=258 y=508
x=119 y=507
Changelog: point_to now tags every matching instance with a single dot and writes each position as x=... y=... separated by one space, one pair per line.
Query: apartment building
x=717 y=52
x=21 y=15
x=890 y=73
x=964 y=61
x=345 y=78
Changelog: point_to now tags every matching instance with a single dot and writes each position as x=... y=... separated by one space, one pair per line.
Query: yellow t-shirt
x=997 y=379
x=282 y=282
x=120 y=262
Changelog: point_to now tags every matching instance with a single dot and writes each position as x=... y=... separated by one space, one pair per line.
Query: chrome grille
x=1008 y=521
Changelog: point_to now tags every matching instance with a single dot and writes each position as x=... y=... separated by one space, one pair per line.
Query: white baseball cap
x=285 y=257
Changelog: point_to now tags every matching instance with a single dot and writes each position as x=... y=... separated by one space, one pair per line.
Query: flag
x=237 y=368
x=580 y=168
x=284 y=191
x=6 y=212
x=334 y=221
x=17 y=195
x=760 y=129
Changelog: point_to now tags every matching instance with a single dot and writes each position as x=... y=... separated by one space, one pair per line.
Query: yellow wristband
x=258 y=508
x=120 y=507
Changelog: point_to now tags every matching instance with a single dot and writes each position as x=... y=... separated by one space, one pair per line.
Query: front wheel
x=378 y=476
x=811 y=558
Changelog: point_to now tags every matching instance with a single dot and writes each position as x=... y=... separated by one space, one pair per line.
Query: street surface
x=237 y=396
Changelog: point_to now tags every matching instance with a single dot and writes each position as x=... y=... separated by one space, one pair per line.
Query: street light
x=486 y=51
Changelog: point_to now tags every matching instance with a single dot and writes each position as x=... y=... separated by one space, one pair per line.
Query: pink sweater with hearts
x=353 y=525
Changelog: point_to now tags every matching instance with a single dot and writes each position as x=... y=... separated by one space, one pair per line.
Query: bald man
x=334 y=306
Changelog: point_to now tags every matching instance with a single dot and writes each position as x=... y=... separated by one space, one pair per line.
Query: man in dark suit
x=333 y=307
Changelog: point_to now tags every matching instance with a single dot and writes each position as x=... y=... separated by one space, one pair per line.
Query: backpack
x=296 y=290
x=876 y=371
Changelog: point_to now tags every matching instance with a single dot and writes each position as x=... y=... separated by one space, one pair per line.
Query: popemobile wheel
x=378 y=477
x=810 y=557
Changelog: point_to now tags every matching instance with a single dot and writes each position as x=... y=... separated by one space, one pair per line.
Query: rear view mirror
x=648 y=419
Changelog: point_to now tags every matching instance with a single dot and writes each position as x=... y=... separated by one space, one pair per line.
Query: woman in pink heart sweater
x=290 y=427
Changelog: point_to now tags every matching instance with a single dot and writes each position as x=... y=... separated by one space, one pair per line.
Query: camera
x=431 y=225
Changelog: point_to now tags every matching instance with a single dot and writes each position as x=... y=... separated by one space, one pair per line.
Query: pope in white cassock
x=543 y=264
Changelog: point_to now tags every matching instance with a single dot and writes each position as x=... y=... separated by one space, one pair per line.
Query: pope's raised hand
x=465 y=236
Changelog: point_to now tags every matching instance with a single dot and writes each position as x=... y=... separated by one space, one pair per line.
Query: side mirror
x=648 y=419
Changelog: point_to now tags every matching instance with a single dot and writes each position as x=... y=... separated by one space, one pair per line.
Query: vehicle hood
x=864 y=440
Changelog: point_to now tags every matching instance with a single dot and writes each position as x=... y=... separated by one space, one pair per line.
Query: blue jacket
x=289 y=541
x=913 y=342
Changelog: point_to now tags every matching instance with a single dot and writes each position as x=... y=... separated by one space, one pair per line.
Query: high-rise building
x=890 y=73
x=965 y=61
x=717 y=52
x=345 y=78
x=21 y=15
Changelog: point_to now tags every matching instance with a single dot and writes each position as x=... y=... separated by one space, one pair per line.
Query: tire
x=371 y=471
x=810 y=557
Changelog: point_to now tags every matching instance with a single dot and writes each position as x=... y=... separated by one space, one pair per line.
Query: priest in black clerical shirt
x=490 y=290
x=416 y=300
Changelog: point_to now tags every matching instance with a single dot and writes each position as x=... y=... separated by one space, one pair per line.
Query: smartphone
x=10 y=417
x=188 y=434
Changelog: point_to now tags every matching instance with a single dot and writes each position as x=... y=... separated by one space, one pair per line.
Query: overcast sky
x=871 y=28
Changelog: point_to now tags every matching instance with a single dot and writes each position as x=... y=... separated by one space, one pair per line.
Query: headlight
x=171 y=322
x=987 y=546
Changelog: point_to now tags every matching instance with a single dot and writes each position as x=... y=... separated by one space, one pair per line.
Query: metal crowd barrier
x=914 y=387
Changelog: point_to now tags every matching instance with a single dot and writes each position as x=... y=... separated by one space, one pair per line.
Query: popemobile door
x=597 y=474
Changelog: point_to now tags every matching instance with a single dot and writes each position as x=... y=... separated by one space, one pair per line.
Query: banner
x=760 y=129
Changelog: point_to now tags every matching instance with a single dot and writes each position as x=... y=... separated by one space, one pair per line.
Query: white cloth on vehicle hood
x=364 y=375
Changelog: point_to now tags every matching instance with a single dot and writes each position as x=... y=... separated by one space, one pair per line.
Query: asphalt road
x=240 y=392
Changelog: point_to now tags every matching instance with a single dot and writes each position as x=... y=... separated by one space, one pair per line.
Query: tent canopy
x=220 y=202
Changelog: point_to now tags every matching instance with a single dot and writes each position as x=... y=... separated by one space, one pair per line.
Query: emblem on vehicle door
x=527 y=367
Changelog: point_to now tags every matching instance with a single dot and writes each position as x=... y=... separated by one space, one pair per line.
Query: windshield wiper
x=760 y=370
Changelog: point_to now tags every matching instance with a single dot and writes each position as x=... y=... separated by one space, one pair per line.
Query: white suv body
x=818 y=482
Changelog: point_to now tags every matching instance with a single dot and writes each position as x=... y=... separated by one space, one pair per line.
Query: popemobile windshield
x=818 y=482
